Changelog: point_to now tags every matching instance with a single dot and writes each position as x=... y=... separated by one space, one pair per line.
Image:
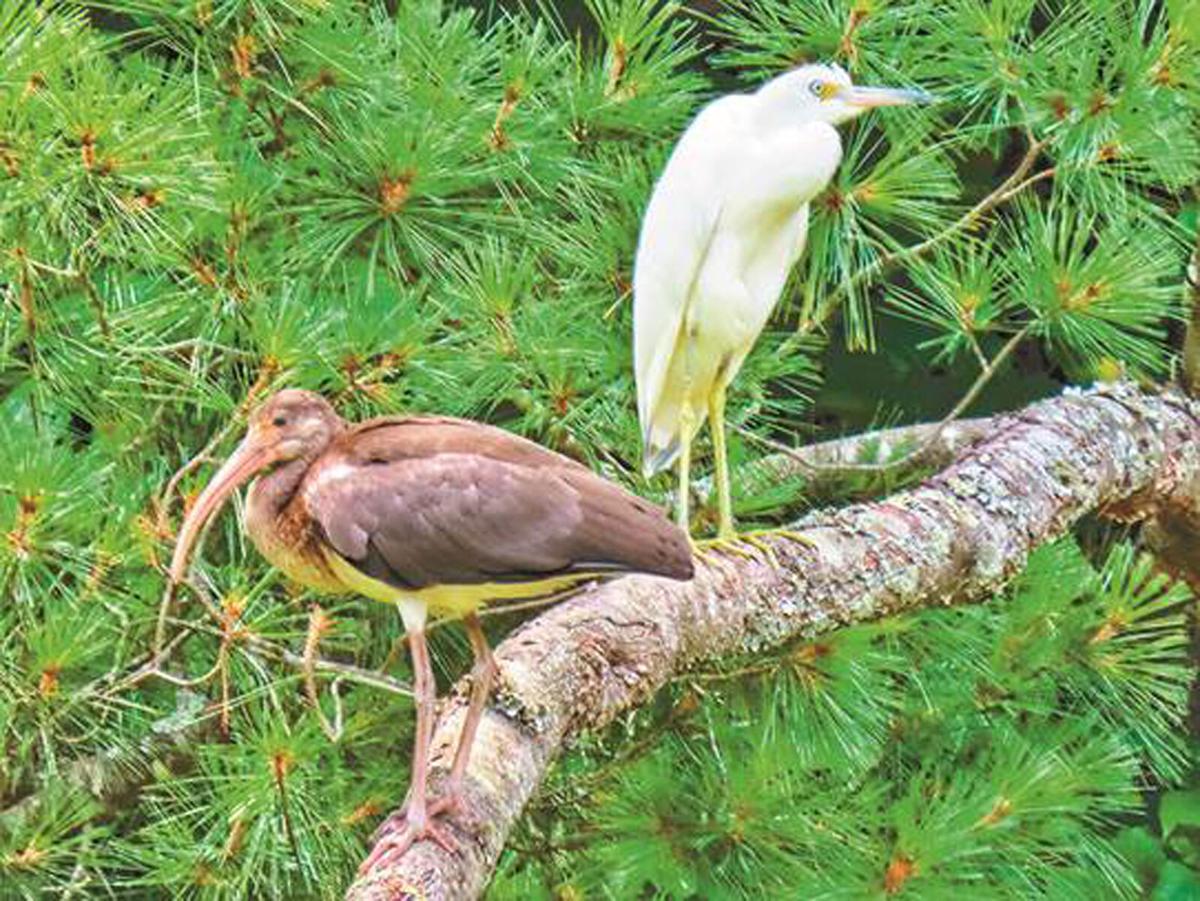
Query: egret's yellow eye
x=823 y=90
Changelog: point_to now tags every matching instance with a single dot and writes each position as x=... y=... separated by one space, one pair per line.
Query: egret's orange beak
x=251 y=457
x=857 y=95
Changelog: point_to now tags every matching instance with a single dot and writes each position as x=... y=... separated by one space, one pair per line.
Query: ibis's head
x=290 y=425
x=824 y=93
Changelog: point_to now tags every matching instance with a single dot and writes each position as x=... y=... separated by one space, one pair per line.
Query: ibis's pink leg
x=481 y=684
x=425 y=694
x=413 y=822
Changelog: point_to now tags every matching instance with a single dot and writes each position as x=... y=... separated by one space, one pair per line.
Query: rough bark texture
x=827 y=462
x=956 y=538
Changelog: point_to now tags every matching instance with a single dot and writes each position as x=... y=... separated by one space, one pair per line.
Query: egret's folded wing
x=677 y=229
x=422 y=502
x=793 y=163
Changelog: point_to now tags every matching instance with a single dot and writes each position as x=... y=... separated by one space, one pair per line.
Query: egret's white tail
x=662 y=440
x=656 y=458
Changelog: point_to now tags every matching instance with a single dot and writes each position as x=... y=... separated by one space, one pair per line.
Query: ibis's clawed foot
x=403 y=829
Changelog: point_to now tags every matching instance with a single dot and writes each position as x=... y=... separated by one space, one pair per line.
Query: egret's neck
x=776 y=105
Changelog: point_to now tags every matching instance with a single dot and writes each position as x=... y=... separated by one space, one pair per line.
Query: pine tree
x=427 y=206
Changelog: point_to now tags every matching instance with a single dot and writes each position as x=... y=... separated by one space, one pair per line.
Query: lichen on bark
x=955 y=538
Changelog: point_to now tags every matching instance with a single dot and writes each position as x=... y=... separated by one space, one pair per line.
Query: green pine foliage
x=995 y=750
x=428 y=205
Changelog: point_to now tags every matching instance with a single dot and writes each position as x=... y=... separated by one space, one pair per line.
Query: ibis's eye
x=279 y=421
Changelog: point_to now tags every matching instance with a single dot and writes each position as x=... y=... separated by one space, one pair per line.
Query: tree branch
x=828 y=464
x=1012 y=186
x=930 y=440
x=957 y=538
x=1191 y=341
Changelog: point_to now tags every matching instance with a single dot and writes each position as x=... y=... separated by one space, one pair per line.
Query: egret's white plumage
x=725 y=224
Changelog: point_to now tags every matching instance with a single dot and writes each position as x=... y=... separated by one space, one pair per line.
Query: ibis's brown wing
x=420 y=502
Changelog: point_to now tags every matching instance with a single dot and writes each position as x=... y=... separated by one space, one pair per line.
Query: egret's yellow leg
x=682 y=514
x=716 y=422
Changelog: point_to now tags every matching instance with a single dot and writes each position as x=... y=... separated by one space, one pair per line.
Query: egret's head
x=289 y=425
x=824 y=93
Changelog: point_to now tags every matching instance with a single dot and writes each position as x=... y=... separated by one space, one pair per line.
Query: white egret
x=725 y=223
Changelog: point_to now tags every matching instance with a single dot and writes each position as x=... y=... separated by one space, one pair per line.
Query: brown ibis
x=435 y=515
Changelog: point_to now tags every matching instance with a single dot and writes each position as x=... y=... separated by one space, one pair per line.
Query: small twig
x=335 y=692
x=204 y=455
x=165 y=606
x=182 y=682
x=223 y=718
x=97 y=303
x=267 y=648
x=917 y=453
x=303 y=108
x=53 y=270
x=145 y=670
x=345 y=671
x=163 y=509
x=1191 y=340
x=1009 y=188
x=980 y=357
x=1044 y=174
x=318 y=624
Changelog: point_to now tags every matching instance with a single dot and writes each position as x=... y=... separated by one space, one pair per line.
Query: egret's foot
x=710 y=555
x=790 y=534
x=731 y=544
x=755 y=540
x=719 y=553
x=402 y=830
x=699 y=552
x=758 y=540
